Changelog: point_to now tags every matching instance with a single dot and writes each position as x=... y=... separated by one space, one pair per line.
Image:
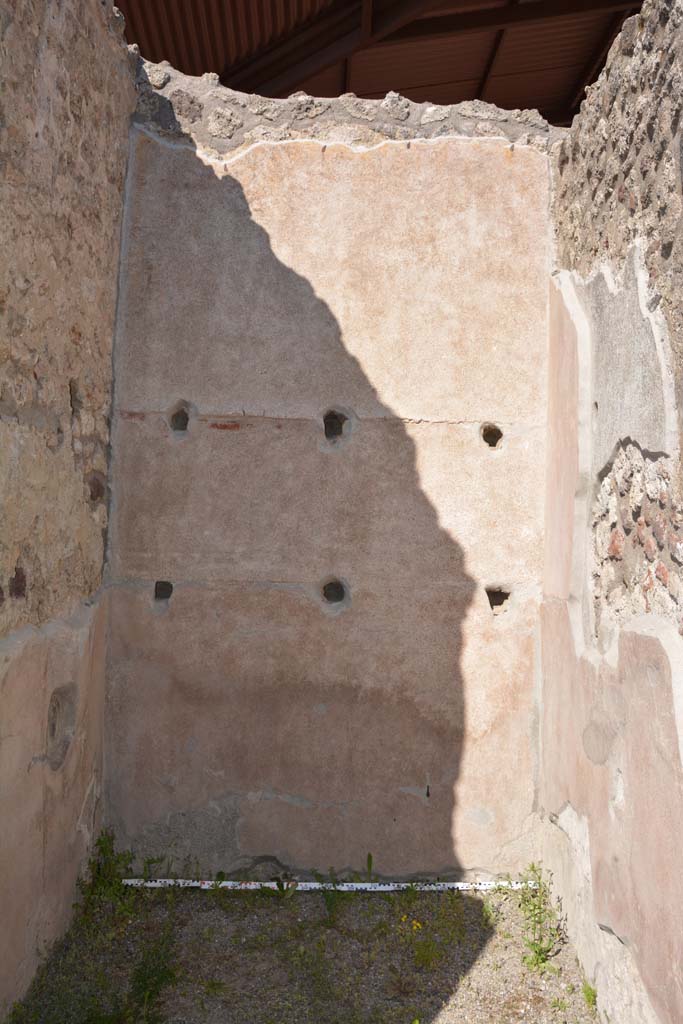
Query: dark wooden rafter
x=596 y=62
x=335 y=35
x=494 y=18
x=564 y=117
x=332 y=37
x=366 y=19
x=493 y=57
x=253 y=72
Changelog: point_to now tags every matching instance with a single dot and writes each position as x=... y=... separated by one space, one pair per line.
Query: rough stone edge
x=218 y=120
x=607 y=962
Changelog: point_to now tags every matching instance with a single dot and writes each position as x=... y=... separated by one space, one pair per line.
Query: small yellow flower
x=405 y=917
x=416 y=925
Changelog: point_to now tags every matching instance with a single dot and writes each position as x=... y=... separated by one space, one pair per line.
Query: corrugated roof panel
x=214 y=35
x=225 y=33
x=449 y=6
x=546 y=90
x=407 y=65
x=444 y=93
x=558 y=44
x=326 y=83
x=135 y=32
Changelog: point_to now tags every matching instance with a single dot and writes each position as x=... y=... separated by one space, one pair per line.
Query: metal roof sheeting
x=534 y=63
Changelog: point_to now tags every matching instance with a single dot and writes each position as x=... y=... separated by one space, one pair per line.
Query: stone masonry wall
x=66 y=98
x=611 y=764
x=67 y=94
x=617 y=181
x=638 y=542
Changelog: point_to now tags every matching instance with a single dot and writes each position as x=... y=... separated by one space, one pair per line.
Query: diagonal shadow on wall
x=251 y=725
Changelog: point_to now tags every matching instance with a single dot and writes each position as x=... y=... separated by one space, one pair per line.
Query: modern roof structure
x=514 y=53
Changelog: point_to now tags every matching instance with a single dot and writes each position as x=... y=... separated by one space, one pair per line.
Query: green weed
x=427 y=953
x=543 y=927
x=154 y=972
x=103 y=891
x=590 y=995
x=489 y=915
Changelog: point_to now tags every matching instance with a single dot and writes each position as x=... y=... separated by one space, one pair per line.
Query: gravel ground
x=248 y=958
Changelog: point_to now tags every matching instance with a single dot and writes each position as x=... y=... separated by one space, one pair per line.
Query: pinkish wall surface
x=52 y=697
x=612 y=717
x=404 y=284
x=281 y=260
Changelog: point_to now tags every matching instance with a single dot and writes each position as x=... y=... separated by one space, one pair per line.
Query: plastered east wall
x=353 y=263
x=67 y=93
x=612 y=693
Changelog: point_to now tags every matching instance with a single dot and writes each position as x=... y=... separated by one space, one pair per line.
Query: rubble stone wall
x=611 y=764
x=67 y=95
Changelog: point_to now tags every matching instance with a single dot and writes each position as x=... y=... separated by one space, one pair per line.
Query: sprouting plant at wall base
x=103 y=889
x=285 y=887
x=153 y=973
x=590 y=995
x=543 y=925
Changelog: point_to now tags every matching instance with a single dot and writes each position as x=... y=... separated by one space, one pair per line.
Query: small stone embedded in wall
x=357 y=107
x=309 y=106
x=186 y=106
x=223 y=123
x=396 y=106
x=637 y=542
x=157 y=76
x=431 y=114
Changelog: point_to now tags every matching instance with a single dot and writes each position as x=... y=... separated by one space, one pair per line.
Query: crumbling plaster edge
x=565 y=282
x=605 y=957
x=649 y=301
x=76 y=621
x=581 y=609
x=224 y=119
x=211 y=159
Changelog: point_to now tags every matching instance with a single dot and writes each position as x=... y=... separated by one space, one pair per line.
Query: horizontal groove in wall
x=240 y=417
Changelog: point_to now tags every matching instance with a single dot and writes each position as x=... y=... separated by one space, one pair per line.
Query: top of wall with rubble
x=220 y=120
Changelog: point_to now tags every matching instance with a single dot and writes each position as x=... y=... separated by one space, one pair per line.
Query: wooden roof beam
x=493 y=57
x=595 y=63
x=332 y=37
x=492 y=19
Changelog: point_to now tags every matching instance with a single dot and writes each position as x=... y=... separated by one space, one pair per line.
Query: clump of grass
x=427 y=953
x=102 y=890
x=543 y=925
x=152 y=974
x=590 y=995
x=74 y=987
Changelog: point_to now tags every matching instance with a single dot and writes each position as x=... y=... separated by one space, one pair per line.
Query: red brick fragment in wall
x=662 y=573
x=616 y=544
x=641 y=530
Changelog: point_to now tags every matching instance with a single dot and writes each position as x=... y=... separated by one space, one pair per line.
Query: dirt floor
x=221 y=957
